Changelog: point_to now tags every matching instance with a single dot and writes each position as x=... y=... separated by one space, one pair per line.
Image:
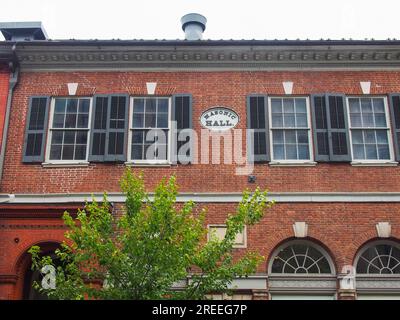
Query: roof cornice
x=207 y=55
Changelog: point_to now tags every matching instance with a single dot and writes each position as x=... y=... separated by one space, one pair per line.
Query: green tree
x=151 y=247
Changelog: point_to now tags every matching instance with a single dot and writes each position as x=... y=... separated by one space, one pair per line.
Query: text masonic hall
x=320 y=120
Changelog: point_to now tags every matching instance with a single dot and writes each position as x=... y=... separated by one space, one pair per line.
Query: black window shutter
x=338 y=129
x=36 y=129
x=117 y=128
x=320 y=123
x=109 y=128
x=99 y=128
x=257 y=120
x=331 y=134
x=395 y=116
x=182 y=120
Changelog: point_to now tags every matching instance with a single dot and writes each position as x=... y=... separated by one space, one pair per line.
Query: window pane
x=150 y=120
x=137 y=150
x=60 y=106
x=289 y=120
x=355 y=120
x=81 y=137
x=72 y=106
x=368 y=120
x=354 y=105
x=304 y=152
x=357 y=136
x=369 y=136
x=279 y=152
x=138 y=120
x=302 y=136
x=379 y=106
x=381 y=136
x=151 y=105
x=163 y=105
x=138 y=105
x=58 y=121
x=277 y=136
x=80 y=152
x=301 y=106
x=83 y=120
x=383 y=152
x=288 y=105
x=55 y=152
x=366 y=105
x=371 y=152
x=68 y=152
x=291 y=152
x=358 y=150
x=69 y=137
x=277 y=120
x=290 y=136
x=137 y=136
x=276 y=105
x=162 y=120
x=57 y=137
x=380 y=120
x=70 y=120
x=84 y=105
x=301 y=120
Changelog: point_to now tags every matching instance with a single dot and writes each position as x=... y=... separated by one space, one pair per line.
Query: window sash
x=144 y=128
x=291 y=128
x=52 y=129
x=353 y=129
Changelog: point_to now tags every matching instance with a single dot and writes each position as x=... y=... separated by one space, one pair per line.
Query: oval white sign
x=219 y=119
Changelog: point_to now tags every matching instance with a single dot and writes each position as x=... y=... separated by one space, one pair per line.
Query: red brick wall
x=208 y=89
x=4 y=77
x=341 y=228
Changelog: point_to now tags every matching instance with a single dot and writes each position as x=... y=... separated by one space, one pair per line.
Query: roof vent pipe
x=193 y=24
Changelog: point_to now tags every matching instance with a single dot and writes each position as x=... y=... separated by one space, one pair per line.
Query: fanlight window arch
x=379 y=258
x=301 y=258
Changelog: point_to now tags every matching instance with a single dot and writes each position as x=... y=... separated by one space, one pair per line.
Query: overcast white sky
x=244 y=19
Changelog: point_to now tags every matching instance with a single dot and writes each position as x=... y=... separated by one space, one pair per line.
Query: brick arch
x=23 y=262
x=310 y=239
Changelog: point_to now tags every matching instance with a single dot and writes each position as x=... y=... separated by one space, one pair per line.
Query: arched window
x=379 y=258
x=301 y=257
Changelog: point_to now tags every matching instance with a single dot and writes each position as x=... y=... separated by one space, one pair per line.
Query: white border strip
x=284 y=197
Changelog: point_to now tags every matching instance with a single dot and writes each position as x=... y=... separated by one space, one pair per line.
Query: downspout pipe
x=14 y=68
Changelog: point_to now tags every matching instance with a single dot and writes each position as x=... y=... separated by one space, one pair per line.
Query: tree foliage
x=150 y=249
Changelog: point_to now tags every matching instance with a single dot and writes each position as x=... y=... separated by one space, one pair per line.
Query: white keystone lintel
x=287 y=87
x=365 y=87
x=218 y=197
x=383 y=229
x=72 y=87
x=151 y=87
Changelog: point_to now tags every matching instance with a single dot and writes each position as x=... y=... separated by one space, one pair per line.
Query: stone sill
x=375 y=164
x=293 y=164
x=65 y=165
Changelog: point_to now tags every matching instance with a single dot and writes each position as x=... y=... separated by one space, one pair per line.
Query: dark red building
x=324 y=118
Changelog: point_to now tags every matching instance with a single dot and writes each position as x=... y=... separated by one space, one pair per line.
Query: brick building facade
x=326 y=116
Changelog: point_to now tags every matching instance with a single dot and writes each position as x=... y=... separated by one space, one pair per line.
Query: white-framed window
x=218 y=231
x=370 y=136
x=301 y=257
x=379 y=258
x=149 y=130
x=290 y=129
x=69 y=130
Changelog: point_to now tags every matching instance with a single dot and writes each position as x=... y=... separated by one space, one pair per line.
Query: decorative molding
x=383 y=229
x=217 y=197
x=179 y=55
